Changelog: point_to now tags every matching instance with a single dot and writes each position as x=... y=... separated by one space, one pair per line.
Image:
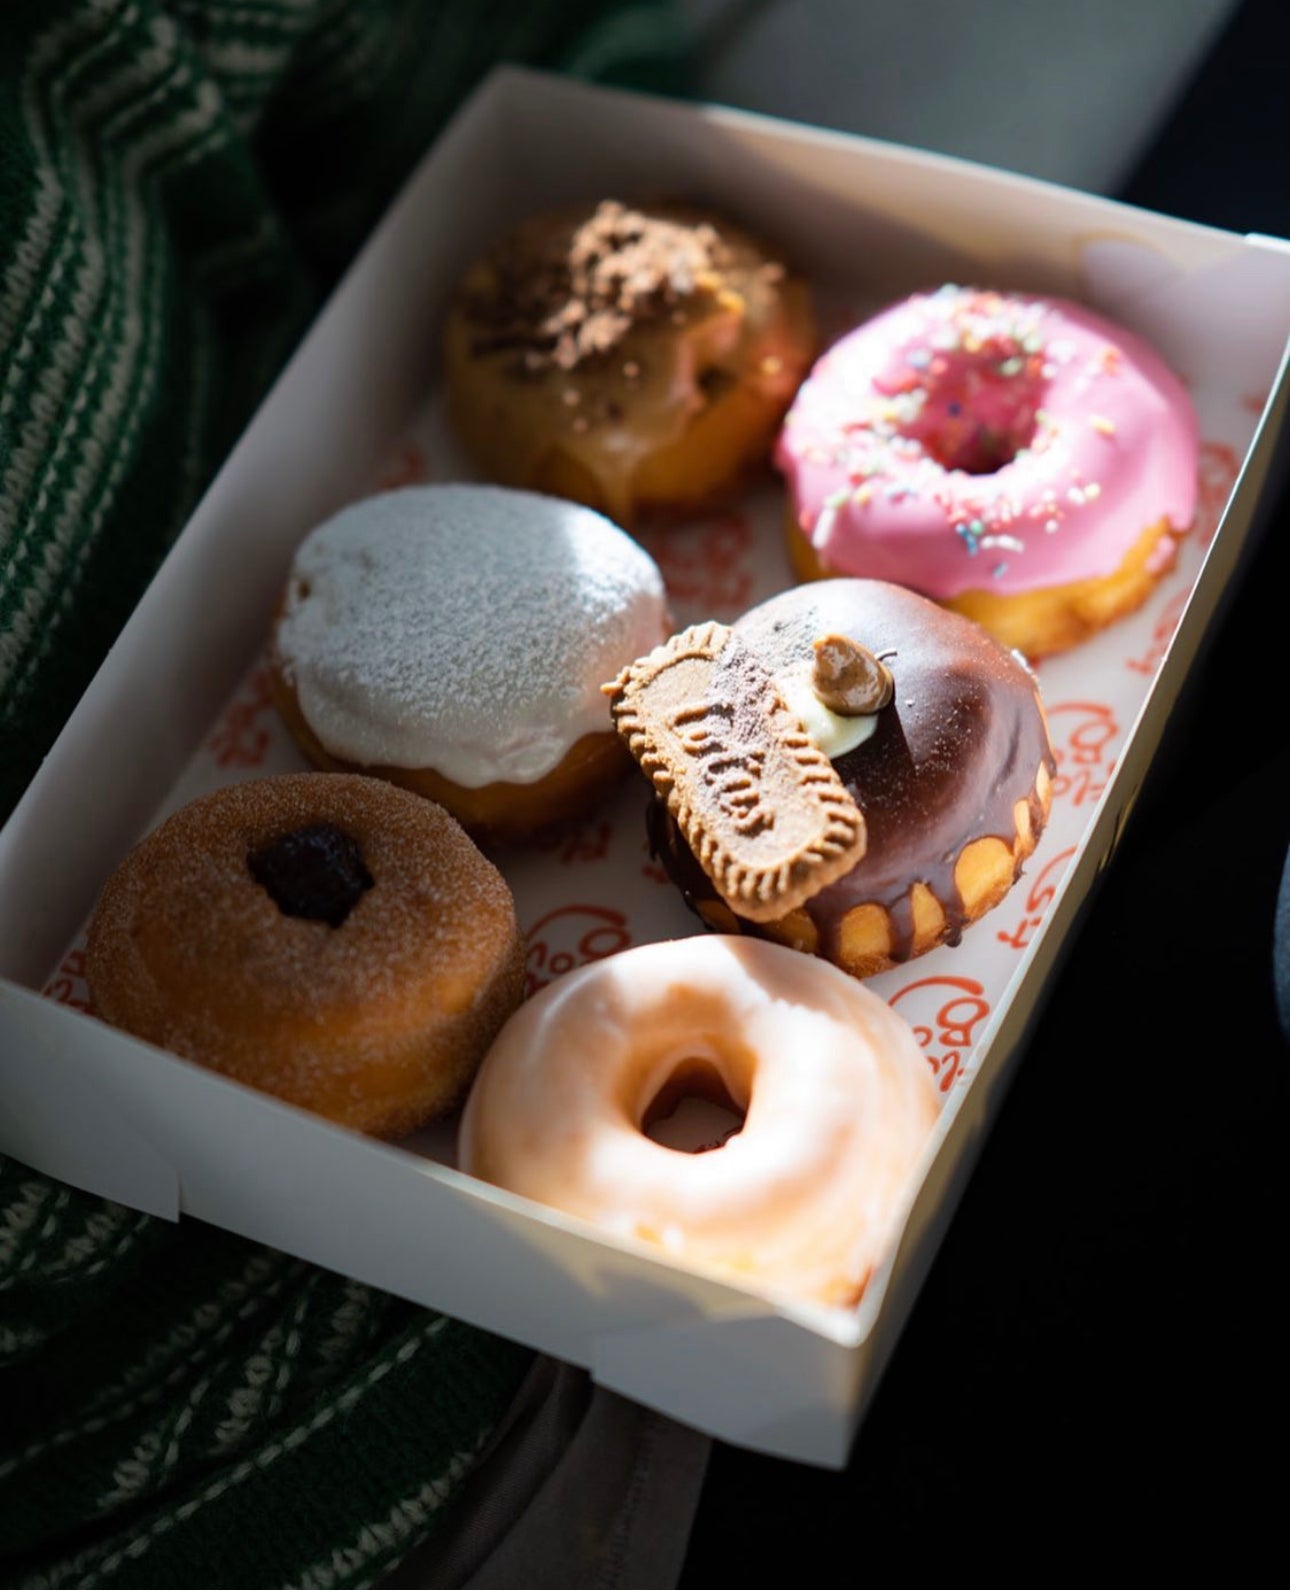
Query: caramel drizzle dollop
x=847 y=678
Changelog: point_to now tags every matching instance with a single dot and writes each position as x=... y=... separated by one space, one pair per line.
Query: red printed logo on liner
x=576 y=840
x=1038 y=899
x=568 y=937
x=68 y=983
x=1161 y=636
x=241 y=739
x=408 y=466
x=950 y=1036
x=652 y=869
x=705 y=566
x=1083 y=743
x=1219 y=468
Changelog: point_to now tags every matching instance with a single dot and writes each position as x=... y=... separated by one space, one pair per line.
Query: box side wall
x=164 y=1136
x=901 y=215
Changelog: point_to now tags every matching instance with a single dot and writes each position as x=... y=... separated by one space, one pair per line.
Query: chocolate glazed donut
x=954 y=781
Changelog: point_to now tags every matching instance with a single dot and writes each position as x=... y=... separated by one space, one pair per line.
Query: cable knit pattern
x=181 y=183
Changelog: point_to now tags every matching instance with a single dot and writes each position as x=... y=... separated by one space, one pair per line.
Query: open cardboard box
x=180 y=706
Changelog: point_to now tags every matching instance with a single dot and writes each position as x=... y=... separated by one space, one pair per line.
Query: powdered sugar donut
x=454 y=639
x=838 y=1101
x=1020 y=459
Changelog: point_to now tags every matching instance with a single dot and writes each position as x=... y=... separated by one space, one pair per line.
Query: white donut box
x=179 y=707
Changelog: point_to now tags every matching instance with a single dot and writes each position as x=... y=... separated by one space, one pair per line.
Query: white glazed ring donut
x=838 y=1099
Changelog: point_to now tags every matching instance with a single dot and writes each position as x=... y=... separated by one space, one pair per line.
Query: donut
x=332 y=940
x=1020 y=459
x=838 y=1102
x=638 y=360
x=952 y=774
x=453 y=639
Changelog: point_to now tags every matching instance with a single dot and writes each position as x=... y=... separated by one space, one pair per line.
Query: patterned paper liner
x=591 y=889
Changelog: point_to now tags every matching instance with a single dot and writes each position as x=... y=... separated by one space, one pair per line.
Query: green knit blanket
x=181 y=183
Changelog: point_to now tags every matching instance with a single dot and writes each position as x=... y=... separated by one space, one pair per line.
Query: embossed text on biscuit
x=760 y=805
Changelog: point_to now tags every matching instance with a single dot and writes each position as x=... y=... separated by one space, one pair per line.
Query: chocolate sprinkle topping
x=316 y=872
x=567 y=297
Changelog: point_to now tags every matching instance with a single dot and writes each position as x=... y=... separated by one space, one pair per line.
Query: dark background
x=1091 y=1390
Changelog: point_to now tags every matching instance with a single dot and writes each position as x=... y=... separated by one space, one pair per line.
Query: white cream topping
x=834 y=734
x=465 y=628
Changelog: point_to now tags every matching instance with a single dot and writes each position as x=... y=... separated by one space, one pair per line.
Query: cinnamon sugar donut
x=635 y=359
x=330 y=939
x=953 y=774
x=838 y=1101
x=453 y=639
x=1020 y=459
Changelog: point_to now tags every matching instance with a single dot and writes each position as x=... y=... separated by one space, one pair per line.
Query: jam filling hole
x=316 y=872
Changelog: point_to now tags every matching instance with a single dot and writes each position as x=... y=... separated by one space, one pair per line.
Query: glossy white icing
x=839 y=1106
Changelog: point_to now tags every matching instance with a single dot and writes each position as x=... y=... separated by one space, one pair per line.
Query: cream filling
x=834 y=734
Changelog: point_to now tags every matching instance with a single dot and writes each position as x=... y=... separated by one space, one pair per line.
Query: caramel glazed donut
x=636 y=360
x=953 y=776
x=839 y=1104
x=330 y=939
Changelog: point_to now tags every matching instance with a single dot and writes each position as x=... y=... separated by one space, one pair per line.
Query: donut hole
x=978 y=412
x=693 y=1111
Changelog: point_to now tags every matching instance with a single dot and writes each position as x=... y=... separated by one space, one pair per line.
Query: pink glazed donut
x=838 y=1098
x=1020 y=459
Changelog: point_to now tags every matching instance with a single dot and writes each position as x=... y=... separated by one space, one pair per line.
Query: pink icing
x=970 y=440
